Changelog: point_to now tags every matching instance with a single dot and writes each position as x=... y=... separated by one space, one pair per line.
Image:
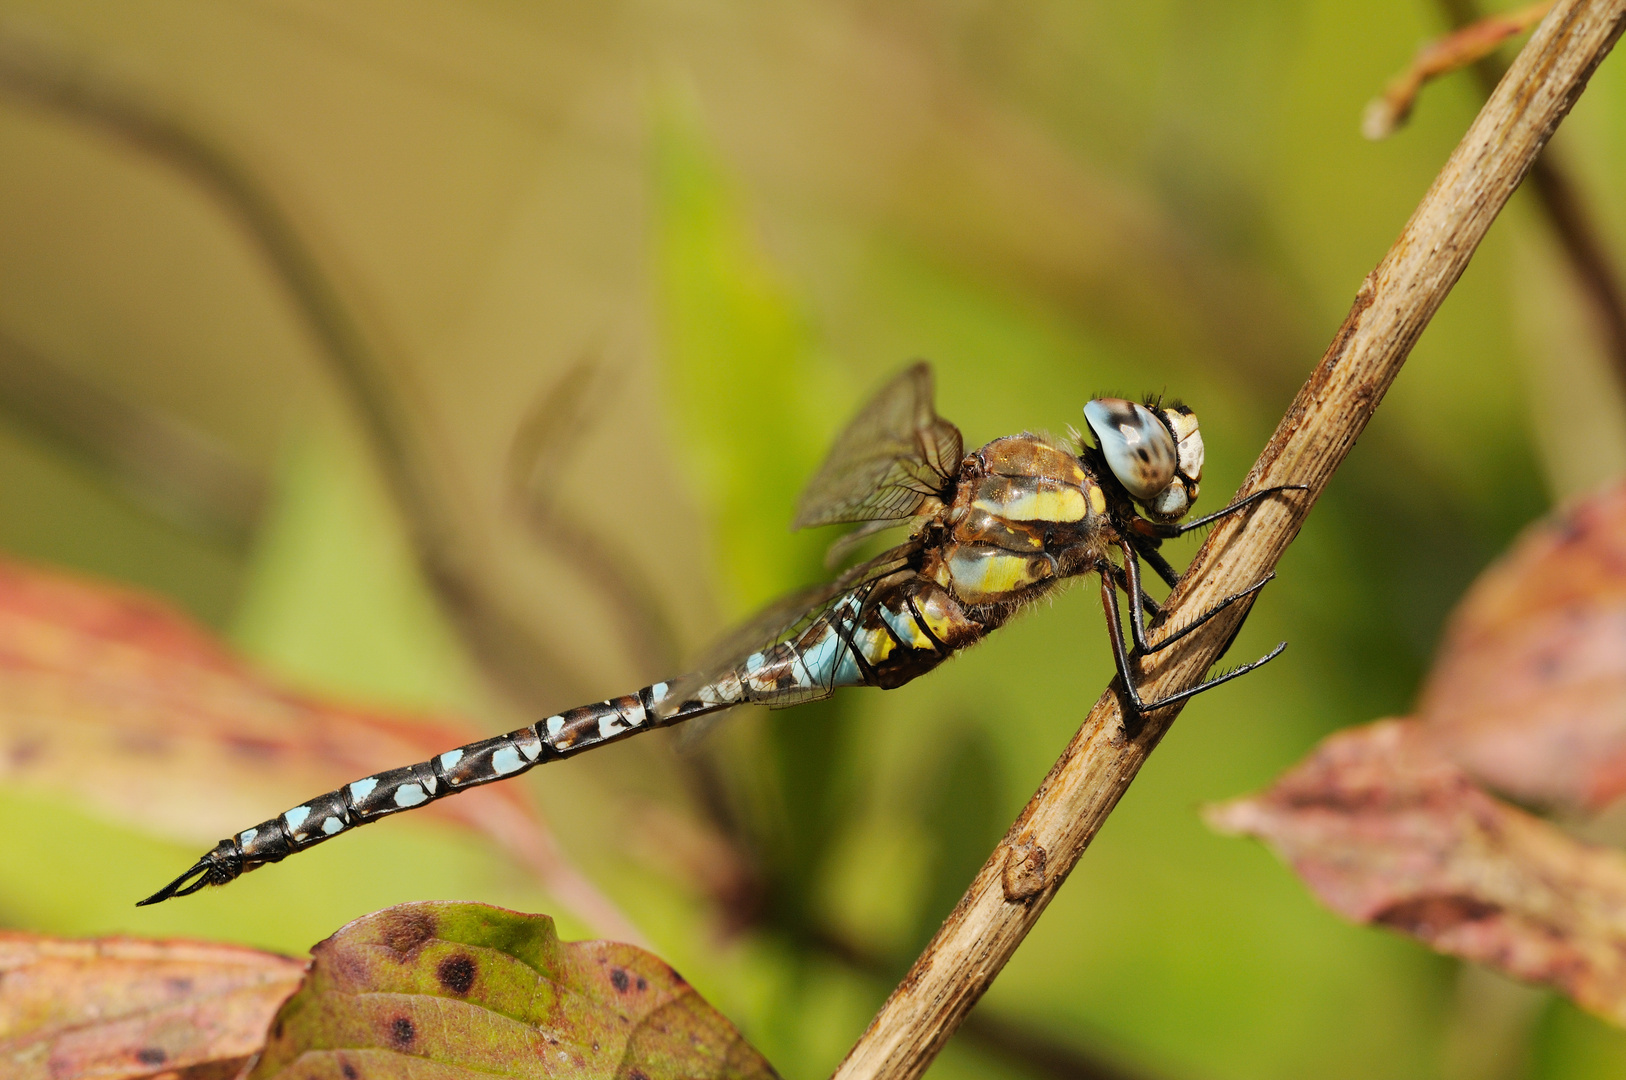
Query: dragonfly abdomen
x=382 y=794
x=926 y=624
x=882 y=635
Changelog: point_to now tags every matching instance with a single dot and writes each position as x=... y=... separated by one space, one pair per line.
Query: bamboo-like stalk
x=1391 y=309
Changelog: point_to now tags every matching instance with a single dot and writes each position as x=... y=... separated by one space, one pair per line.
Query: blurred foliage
x=752 y=216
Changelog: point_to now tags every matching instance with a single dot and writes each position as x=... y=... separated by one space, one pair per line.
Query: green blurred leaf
x=472 y=990
x=334 y=599
x=812 y=759
x=739 y=356
x=743 y=365
x=961 y=810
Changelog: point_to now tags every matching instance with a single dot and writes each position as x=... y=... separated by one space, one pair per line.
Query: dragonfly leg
x=1137 y=599
x=1137 y=624
x=1121 y=657
x=1155 y=559
x=1121 y=578
x=1169 y=532
x=1176 y=635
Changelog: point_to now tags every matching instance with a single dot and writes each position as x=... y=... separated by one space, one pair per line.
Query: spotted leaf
x=1528 y=693
x=466 y=990
x=117 y=1008
x=1386 y=830
x=115 y=696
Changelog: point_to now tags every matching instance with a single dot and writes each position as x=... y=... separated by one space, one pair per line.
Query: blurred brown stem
x=361 y=358
x=169 y=468
x=1471 y=42
x=997 y=1036
x=540 y=454
x=1391 y=309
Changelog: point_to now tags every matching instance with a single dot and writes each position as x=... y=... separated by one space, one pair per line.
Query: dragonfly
x=990 y=533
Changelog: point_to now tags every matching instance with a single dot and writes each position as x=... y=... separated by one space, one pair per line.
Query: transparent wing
x=784 y=620
x=894 y=454
x=849 y=542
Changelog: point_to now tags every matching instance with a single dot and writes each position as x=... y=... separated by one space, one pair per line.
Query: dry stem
x=1394 y=304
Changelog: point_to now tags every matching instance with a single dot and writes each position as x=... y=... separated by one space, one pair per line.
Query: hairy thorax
x=1025 y=515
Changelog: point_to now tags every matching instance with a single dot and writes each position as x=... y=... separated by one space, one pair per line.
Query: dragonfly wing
x=849 y=542
x=893 y=455
x=784 y=620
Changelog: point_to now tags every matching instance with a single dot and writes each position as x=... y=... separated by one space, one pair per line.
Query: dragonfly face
x=989 y=532
x=1157 y=457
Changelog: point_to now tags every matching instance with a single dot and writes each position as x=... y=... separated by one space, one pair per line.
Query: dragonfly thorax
x=1025 y=513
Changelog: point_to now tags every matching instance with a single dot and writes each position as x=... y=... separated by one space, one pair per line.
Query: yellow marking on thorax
x=909 y=632
x=1098 y=499
x=939 y=623
x=943 y=617
x=982 y=575
x=1056 y=504
x=874 y=645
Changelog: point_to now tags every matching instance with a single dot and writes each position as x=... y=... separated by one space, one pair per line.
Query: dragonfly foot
x=219 y=866
x=1141 y=708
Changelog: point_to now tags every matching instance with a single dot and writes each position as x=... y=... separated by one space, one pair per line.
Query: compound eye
x=1138 y=448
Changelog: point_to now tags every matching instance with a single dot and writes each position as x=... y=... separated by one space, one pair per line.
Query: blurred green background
x=471 y=356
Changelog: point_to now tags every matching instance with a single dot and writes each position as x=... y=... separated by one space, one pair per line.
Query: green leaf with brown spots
x=449 y=990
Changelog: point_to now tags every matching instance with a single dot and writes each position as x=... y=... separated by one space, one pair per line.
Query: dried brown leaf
x=116 y=697
x=1386 y=830
x=1386 y=114
x=117 y=1008
x=1528 y=692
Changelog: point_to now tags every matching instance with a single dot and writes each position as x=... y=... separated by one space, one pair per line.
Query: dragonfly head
x=1155 y=451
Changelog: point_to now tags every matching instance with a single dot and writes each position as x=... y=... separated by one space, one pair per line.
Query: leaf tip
x=1381 y=118
x=1234 y=817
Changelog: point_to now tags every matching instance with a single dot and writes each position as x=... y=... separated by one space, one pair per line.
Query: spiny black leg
x=1154 y=559
x=1237 y=673
x=219 y=866
x=1137 y=613
x=1115 y=634
x=1245 y=501
x=1169 y=532
x=1122 y=581
x=1131 y=549
x=1120 y=656
x=1137 y=616
x=1205 y=616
